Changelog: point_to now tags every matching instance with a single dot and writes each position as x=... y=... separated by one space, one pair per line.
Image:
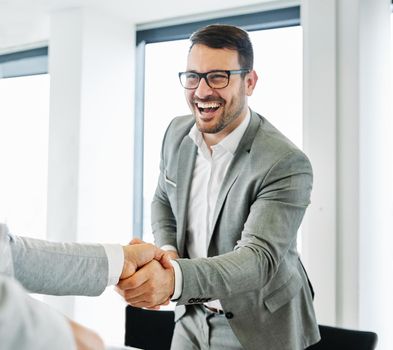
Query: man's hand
x=137 y=255
x=86 y=339
x=151 y=286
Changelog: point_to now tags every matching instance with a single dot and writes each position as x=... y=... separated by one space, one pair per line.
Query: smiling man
x=231 y=195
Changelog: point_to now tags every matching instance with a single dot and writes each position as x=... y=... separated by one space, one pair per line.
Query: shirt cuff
x=178 y=280
x=115 y=255
x=167 y=247
x=178 y=273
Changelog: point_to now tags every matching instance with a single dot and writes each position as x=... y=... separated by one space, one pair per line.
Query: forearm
x=60 y=268
x=220 y=277
x=256 y=259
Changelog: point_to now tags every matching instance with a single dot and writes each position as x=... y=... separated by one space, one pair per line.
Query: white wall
x=347 y=130
x=375 y=206
x=319 y=106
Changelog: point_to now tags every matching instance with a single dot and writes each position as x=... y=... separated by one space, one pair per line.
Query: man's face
x=218 y=111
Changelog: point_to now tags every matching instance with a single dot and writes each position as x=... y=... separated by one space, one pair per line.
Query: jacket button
x=229 y=315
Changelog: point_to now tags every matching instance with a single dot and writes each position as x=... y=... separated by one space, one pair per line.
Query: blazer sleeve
x=268 y=235
x=59 y=268
x=26 y=323
x=163 y=220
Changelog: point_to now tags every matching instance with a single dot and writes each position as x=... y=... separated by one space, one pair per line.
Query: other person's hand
x=85 y=338
x=138 y=255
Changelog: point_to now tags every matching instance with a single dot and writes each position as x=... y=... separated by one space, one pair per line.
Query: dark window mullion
x=279 y=18
x=23 y=63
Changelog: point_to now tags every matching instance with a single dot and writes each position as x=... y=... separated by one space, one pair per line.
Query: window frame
x=24 y=63
x=270 y=19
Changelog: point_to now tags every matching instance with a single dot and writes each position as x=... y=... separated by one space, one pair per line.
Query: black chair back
x=333 y=338
x=153 y=330
x=149 y=329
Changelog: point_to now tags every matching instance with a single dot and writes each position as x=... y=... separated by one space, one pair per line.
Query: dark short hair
x=221 y=36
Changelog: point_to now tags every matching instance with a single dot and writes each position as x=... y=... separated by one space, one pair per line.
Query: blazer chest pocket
x=171 y=191
x=283 y=294
x=169 y=181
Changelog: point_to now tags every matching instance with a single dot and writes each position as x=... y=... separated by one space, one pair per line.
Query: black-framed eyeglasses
x=216 y=79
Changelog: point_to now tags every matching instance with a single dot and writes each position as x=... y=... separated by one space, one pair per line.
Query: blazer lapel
x=241 y=154
x=187 y=155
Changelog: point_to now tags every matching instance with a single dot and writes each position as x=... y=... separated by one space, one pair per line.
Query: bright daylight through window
x=24 y=123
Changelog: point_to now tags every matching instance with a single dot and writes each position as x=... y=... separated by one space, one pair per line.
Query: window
x=164 y=100
x=278 y=95
x=24 y=124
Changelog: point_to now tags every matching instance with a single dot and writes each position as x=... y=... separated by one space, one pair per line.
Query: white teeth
x=208 y=104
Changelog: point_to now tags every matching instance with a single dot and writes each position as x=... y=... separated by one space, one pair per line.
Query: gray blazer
x=48 y=268
x=253 y=266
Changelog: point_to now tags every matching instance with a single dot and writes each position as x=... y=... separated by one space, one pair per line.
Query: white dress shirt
x=209 y=172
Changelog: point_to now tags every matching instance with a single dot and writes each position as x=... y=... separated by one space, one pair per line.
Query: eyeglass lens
x=215 y=80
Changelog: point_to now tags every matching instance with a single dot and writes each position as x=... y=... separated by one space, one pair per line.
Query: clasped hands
x=148 y=278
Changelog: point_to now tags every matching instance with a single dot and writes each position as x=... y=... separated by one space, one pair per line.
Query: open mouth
x=207 y=107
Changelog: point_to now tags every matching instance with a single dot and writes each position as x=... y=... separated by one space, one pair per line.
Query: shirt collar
x=229 y=142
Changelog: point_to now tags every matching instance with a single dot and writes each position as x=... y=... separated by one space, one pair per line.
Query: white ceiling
x=25 y=23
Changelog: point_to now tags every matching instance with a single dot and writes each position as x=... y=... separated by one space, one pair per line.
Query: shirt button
x=229 y=315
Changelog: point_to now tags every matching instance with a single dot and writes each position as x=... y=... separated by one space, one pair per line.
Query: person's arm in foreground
x=26 y=323
x=73 y=268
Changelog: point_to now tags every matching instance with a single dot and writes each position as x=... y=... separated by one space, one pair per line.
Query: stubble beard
x=227 y=117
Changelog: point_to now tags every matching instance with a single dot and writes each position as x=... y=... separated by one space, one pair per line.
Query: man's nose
x=203 y=89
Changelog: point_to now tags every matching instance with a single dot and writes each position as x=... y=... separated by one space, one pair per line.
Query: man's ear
x=250 y=82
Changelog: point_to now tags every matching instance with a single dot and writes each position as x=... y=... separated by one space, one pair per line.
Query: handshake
x=148 y=278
